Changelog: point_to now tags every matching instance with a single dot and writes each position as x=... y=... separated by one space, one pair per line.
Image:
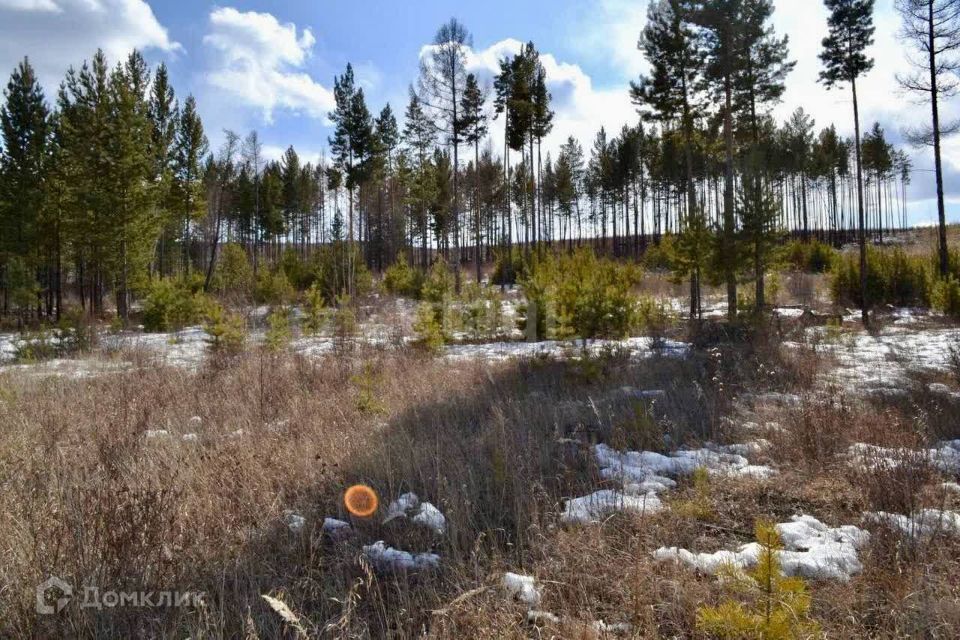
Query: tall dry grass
x=88 y=496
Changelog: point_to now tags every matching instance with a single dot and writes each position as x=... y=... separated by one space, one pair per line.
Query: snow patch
x=596 y=506
x=423 y=513
x=811 y=550
x=294 y=521
x=946 y=457
x=924 y=524
x=523 y=588
x=645 y=466
x=500 y=351
x=388 y=559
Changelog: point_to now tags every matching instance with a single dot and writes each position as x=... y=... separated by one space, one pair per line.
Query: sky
x=270 y=66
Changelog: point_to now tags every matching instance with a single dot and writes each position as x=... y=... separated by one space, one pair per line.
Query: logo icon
x=54 y=587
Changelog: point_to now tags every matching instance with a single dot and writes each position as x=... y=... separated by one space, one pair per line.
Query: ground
x=541 y=490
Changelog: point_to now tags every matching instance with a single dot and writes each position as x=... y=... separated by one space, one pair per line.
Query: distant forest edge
x=111 y=184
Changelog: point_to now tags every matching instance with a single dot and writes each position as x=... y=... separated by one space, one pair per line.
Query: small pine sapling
x=428 y=329
x=773 y=607
x=314 y=310
x=279 y=333
x=227 y=331
x=700 y=505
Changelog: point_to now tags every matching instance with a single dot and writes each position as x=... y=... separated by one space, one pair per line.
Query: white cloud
x=273 y=152
x=30 y=5
x=56 y=34
x=261 y=63
x=608 y=35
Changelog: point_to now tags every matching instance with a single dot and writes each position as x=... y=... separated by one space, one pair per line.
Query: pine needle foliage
x=768 y=606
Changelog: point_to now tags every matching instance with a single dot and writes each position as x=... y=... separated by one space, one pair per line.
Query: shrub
x=439 y=284
x=234 y=275
x=580 y=295
x=401 y=279
x=21 y=286
x=509 y=267
x=660 y=257
x=171 y=305
x=954 y=360
x=298 y=272
x=778 y=607
x=368 y=382
x=945 y=297
x=428 y=328
x=34 y=346
x=482 y=311
x=278 y=334
x=700 y=504
x=274 y=288
x=809 y=257
x=344 y=320
x=893 y=278
x=334 y=271
x=314 y=310
x=227 y=331
x=75 y=332
x=653 y=319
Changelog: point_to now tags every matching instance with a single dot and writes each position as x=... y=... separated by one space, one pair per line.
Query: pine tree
x=290 y=175
x=878 y=158
x=442 y=81
x=675 y=54
x=351 y=144
x=474 y=125
x=190 y=148
x=746 y=68
x=760 y=213
x=419 y=136
x=163 y=111
x=220 y=177
x=799 y=131
x=542 y=123
x=130 y=191
x=25 y=126
x=933 y=28
x=387 y=137
x=845 y=60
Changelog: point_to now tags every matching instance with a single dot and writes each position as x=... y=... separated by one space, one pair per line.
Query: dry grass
x=87 y=496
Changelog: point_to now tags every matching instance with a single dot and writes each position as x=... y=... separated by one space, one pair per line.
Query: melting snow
x=540 y=618
x=295 y=521
x=647 y=466
x=637 y=347
x=924 y=524
x=812 y=550
x=387 y=559
x=596 y=506
x=945 y=458
x=423 y=513
x=867 y=363
x=523 y=588
x=332 y=524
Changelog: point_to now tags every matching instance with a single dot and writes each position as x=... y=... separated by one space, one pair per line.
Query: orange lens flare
x=361 y=501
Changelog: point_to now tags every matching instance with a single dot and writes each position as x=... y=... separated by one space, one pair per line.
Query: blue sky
x=270 y=65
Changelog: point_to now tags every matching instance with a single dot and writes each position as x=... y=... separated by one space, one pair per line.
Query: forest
x=111 y=184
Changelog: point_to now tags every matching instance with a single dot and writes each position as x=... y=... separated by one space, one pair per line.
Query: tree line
x=114 y=184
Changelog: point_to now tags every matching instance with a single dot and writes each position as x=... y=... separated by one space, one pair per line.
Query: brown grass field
x=88 y=496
